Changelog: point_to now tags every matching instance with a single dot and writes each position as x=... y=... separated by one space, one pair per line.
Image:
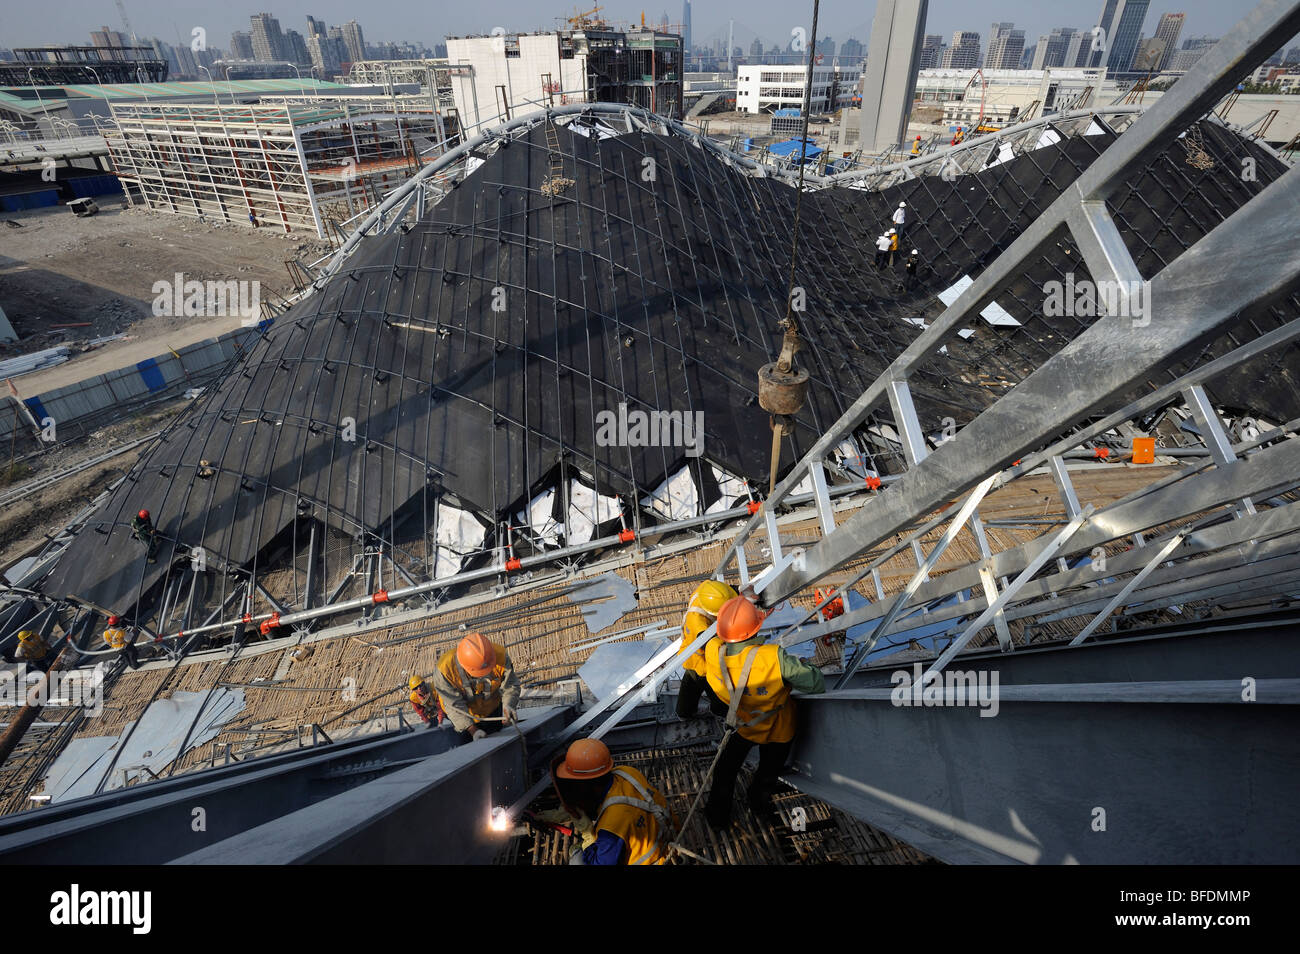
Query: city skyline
x=392 y=21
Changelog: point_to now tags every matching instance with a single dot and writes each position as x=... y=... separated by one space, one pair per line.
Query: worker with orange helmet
x=425 y=702
x=621 y=818
x=477 y=686
x=916 y=146
x=709 y=597
x=755 y=680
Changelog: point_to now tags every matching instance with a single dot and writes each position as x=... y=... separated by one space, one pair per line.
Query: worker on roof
x=477 y=686
x=899 y=219
x=116 y=638
x=755 y=680
x=709 y=597
x=620 y=817
x=916 y=146
x=142 y=529
x=893 y=245
x=882 y=250
x=909 y=269
x=31 y=648
x=425 y=702
x=960 y=135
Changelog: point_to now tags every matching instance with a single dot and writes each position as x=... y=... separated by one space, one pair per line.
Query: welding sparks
x=499 y=820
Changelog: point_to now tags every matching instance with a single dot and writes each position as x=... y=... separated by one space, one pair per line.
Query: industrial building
x=764 y=88
x=1058 y=462
x=307 y=165
x=496 y=78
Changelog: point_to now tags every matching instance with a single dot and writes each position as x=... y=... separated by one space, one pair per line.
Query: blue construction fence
x=77 y=408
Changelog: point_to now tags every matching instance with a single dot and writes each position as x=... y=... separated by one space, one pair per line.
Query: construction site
x=1015 y=515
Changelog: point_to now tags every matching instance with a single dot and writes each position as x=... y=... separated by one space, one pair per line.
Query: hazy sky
x=69 y=21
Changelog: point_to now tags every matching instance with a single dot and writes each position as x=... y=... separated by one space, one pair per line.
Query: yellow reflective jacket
x=466 y=699
x=639 y=815
x=696 y=620
x=765 y=712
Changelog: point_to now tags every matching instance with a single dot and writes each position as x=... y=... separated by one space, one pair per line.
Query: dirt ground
x=57 y=269
x=24 y=522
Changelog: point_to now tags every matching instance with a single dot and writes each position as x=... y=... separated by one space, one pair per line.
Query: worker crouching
x=425 y=702
x=477 y=686
x=755 y=681
x=621 y=818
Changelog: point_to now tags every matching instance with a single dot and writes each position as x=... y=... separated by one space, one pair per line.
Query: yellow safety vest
x=482 y=694
x=696 y=620
x=639 y=815
x=116 y=638
x=31 y=646
x=764 y=711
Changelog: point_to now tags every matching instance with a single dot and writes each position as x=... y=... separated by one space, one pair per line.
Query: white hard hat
x=890 y=232
x=901 y=204
x=915 y=252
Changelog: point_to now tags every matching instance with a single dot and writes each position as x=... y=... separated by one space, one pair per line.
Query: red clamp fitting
x=753 y=507
x=1101 y=453
x=270 y=624
x=626 y=536
x=246 y=618
x=874 y=483
x=1016 y=462
x=381 y=596
x=513 y=564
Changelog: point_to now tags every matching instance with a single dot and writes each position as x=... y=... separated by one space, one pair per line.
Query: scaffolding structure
x=301 y=165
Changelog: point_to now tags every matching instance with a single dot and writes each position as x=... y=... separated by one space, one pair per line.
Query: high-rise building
x=1192 y=50
x=1051 y=50
x=826 y=47
x=354 y=41
x=1006 y=46
x=1149 y=55
x=852 y=49
x=104 y=38
x=686 y=29
x=268 y=41
x=295 y=48
x=931 y=55
x=1170 y=26
x=241 y=45
x=1292 y=56
x=964 y=52
x=1121 y=23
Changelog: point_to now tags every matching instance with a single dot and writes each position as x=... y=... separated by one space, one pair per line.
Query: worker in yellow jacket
x=755 y=680
x=115 y=637
x=425 y=702
x=477 y=686
x=621 y=818
x=709 y=597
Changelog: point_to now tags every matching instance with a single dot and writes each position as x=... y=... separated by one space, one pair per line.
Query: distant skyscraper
x=354 y=41
x=1293 y=55
x=1171 y=24
x=826 y=47
x=931 y=55
x=1006 y=46
x=686 y=28
x=1121 y=21
x=268 y=41
x=1052 y=49
x=295 y=49
x=964 y=52
x=104 y=38
x=852 y=49
x=241 y=46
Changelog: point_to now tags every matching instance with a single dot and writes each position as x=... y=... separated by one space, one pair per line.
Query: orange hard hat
x=476 y=655
x=143 y=515
x=738 y=620
x=114 y=620
x=586 y=758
